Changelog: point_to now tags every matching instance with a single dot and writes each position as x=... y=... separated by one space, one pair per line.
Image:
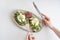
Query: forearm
x=46 y=22
x=56 y=30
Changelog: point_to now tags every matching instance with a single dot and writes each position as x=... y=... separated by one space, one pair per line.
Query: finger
x=44 y=22
x=32 y=37
x=27 y=36
x=46 y=17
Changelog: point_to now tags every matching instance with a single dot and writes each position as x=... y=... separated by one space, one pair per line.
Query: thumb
x=30 y=37
x=45 y=22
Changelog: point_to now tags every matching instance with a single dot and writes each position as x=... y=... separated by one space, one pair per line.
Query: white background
x=9 y=31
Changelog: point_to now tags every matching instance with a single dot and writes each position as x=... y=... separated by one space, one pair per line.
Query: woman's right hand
x=46 y=21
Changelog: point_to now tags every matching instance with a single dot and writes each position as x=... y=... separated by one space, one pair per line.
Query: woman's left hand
x=30 y=37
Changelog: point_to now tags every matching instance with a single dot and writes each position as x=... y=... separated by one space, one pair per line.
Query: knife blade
x=37 y=10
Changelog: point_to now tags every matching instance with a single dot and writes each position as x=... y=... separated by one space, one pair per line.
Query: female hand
x=46 y=21
x=30 y=37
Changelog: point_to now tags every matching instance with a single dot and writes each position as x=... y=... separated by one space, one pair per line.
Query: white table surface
x=9 y=31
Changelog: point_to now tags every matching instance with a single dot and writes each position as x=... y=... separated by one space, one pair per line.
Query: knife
x=37 y=10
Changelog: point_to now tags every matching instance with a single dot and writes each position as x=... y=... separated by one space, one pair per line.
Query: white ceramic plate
x=26 y=27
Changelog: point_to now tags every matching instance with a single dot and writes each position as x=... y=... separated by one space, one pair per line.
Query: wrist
x=50 y=26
